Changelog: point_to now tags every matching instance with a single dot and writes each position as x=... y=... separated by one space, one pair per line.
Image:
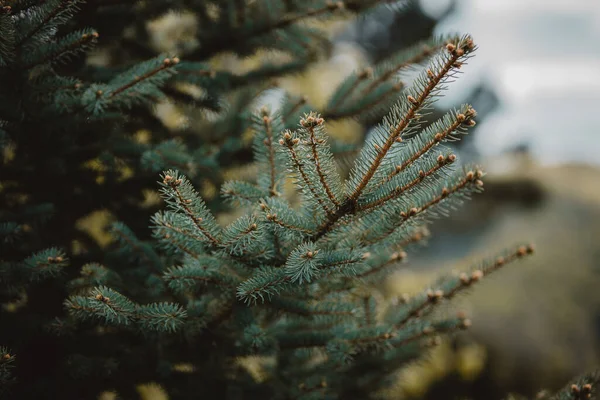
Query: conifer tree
x=292 y=289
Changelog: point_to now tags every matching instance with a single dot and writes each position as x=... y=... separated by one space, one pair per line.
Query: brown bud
x=421 y=174
x=399 y=139
x=479 y=182
x=461 y=117
x=470 y=175
x=398 y=168
x=102 y=298
x=457 y=64
x=323 y=383
x=287 y=135
x=99 y=93
x=445 y=192
x=366 y=255
x=6 y=356
x=386 y=335
x=438 y=137
x=471 y=112
x=469 y=44
x=461 y=315
x=464 y=279
x=402 y=214
x=500 y=261
x=310 y=254
x=281 y=142
x=430 y=74
x=413 y=211
x=295 y=141
x=521 y=251
x=263 y=206
x=471 y=123
x=451 y=157
x=477 y=275
x=530 y=249
x=575 y=389
x=266 y=119
x=412 y=99
x=450 y=47
x=167 y=61
x=465 y=323
x=167 y=179
x=459 y=52
x=253 y=226
x=478 y=174
x=440 y=159
x=175 y=60
x=366 y=73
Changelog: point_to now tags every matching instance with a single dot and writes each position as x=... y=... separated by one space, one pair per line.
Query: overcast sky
x=542 y=57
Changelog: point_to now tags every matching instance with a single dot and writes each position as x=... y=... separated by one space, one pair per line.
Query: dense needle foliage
x=289 y=287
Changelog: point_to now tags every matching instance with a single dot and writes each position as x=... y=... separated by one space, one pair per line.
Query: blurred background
x=534 y=83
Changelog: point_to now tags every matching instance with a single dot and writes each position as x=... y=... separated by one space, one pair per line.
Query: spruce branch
x=166 y=64
x=270 y=160
x=63 y=49
x=431 y=201
x=396 y=192
x=303 y=180
x=447 y=128
x=401 y=117
x=49 y=14
x=181 y=196
x=448 y=287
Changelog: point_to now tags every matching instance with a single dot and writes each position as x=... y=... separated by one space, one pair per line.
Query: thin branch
x=313 y=145
x=290 y=143
x=397 y=192
x=415 y=104
x=167 y=63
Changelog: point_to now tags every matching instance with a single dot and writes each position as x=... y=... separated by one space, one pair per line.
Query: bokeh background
x=535 y=85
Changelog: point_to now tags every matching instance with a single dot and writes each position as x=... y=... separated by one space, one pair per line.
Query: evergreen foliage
x=292 y=287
